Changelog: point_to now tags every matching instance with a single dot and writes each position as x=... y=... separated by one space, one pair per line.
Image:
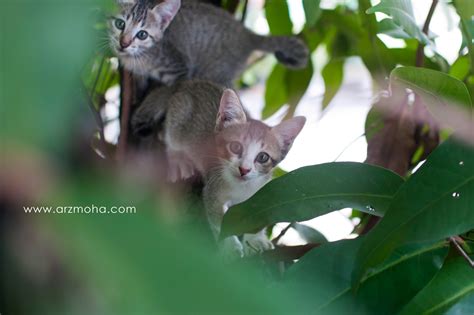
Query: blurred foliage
x=56 y=69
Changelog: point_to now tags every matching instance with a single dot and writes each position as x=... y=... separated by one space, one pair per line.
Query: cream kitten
x=206 y=130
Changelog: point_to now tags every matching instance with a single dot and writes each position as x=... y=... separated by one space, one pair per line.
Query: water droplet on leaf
x=370 y=208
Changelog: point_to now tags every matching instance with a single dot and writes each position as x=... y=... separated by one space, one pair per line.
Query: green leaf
x=276 y=94
x=388 y=27
x=286 y=86
x=308 y=234
x=39 y=75
x=453 y=282
x=460 y=68
x=324 y=274
x=333 y=74
x=313 y=191
x=141 y=265
x=278 y=17
x=373 y=123
x=401 y=12
x=435 y=202
x=312 y=12
x=464 y=306
x=433 y=86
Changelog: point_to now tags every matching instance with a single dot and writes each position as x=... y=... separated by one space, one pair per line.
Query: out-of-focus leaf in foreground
x=139 y=264
x=45 y=44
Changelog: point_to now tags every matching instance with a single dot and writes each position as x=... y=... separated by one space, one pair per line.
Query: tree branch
x=126 y=98
x=282 y=233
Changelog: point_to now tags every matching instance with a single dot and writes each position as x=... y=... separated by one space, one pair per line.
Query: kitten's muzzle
x=124 y=43
x=243 y=171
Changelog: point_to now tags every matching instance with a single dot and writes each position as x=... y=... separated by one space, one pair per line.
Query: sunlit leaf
x=401 y=12
x=333 y=74
x=278 y=17
x=311 y=11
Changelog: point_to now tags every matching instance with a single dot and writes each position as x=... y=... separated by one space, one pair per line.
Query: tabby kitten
x=206 y=130
x=169 y=41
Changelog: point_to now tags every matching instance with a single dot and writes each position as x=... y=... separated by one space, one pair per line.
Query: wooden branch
x=287 y=253
x=282 y=233
x=126 y=99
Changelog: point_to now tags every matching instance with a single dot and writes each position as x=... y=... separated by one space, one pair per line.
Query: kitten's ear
x=231 y=111
x=287 y=131
x=167 y=11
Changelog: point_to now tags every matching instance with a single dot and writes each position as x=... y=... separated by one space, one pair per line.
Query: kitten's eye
x=235 y=147
x=262 y=157
x=120 y=24
x=142 y=35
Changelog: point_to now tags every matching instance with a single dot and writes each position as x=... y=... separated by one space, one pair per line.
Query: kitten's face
x=140 y=25
x=249 y=149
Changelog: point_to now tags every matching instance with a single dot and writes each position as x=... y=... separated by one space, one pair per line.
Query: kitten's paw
x=256 y=243
x=231 y=249
x=180 y=167
x=294 y=53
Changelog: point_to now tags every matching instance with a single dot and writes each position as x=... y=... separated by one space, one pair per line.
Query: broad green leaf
x=452 y=283
x=286 y=86
x=313 y=191
x=388 y=27
x=312 y=12
x=324 y=275
x=464 y=306
x=333 y=74
x=435 y=203
x=308 y=234
x=278 y=17
x=402 y=15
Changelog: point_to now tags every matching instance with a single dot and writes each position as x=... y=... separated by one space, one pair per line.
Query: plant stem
x=420 y=55
x=461 y=251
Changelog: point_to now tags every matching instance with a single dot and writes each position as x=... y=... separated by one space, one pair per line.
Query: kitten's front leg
x=230 y=248
x=256 y=243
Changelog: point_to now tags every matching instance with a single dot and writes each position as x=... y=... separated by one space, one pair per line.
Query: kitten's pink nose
x=124 y=42
x=243 y=171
